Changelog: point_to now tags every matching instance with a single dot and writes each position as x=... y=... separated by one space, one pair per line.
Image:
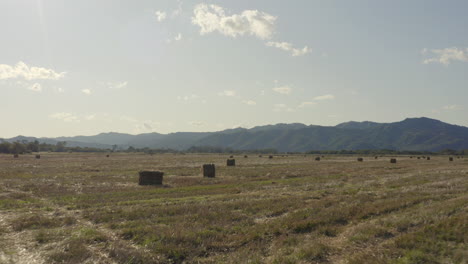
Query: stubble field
x=87 y=208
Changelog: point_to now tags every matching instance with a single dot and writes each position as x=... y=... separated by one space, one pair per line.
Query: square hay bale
x=428 y=158
x=270 y=157
x=209 y=170
x=317 y=158
x=16 y=156
x=392 y=160
x=150 y=177
x=245 y=156
x=231 y=162
x=38 y=156
x=451 y=159
x=360 y=159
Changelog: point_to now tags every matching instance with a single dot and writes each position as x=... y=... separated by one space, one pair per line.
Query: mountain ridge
x=409 y=134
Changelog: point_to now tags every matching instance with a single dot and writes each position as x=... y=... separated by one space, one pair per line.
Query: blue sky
x=85 y=67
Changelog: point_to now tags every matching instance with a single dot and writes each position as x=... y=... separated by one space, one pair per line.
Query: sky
x=85 y=67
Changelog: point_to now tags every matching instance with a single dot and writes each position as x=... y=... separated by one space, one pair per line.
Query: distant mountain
x=410 y=134
x=358 y=125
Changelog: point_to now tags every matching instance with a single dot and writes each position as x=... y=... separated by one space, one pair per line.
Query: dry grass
x=87 y=208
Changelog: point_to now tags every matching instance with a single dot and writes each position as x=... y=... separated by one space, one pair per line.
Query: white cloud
x=286 y=46
x=86 y=91
x=249 y=102
x=324 y=97
x=21 y=70
x=282 y=108
x=36 y=87
x=451 y=107
x=160 y=15
x=66 y=117
x=116 y=85
x=446 y=56
x=229 y=93
x=306 y=104
x=283 y=89
x=90 y=117
x=211 y=18
x=196 y=123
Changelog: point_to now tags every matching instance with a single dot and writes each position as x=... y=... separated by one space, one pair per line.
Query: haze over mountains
x=410 y=134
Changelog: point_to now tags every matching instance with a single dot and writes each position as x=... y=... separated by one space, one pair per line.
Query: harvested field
x=89 y=208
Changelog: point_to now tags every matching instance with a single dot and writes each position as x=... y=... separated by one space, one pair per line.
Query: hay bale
x=419 y=157
x=260 y=156
x=376 y=157
x=38 y=156
x=209 y=170
x=451 y=159
x=392 y=160
x=231 y=157
x=231 y=162
x=428 y=158
x=317 y=158
x=245 y=156
x=107 y=156
x=150 y=178
x=270 y=157
x=360 y=159
x=16 y=156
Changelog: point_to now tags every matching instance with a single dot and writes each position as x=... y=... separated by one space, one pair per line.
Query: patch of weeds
x=123 y=254
x=74 y=251
x=91 y=235
x=314 y=252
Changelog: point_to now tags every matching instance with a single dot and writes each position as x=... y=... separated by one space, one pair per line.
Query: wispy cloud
x=66 y=117
x=160 y=15
x=36 y=87
x=451 y=107
x=282 y=108
x=283 y=90
x=306 y=104
x=228 y=93
x=324 y=97
x=86 y=91
x=196 y=123
x=211 y=18
x=116 y=85
x=286 y=46
x=21 y=70
x=445 y=56
x=249 y=102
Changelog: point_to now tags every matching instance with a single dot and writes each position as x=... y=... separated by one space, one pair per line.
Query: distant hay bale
x=392 y=160
x=419 y=157
x=428 y=158
x=209 y=170
x=360 y=159
x=411 y=157
x=16 y=156
x=260 y=156
x=451 y=159
x=107 y=156
x=317 y=158
x=38 y=156
x=376 y=157
x=231 y=157
x=150 y=178
x=270 y=157
x=231 y=162
x=245 y=156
